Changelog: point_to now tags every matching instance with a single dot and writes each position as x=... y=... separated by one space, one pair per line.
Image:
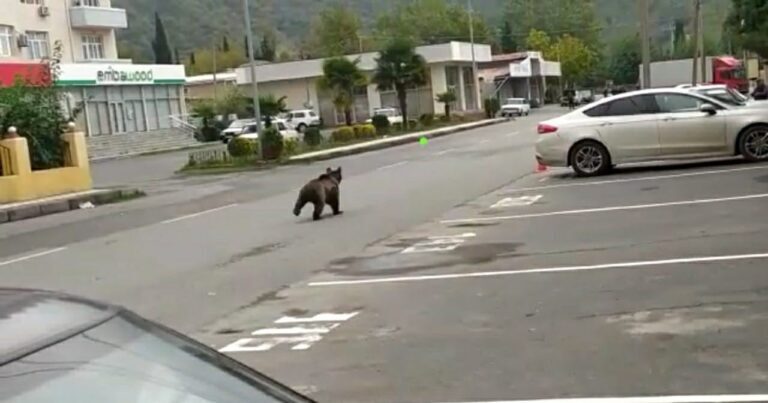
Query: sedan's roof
x=33 y=319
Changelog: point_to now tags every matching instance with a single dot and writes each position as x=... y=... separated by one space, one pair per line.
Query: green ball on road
x=423 y=141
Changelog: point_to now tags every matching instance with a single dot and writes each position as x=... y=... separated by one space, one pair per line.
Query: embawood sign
x=120 y=74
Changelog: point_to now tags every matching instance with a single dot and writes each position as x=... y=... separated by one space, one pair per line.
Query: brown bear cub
x=321 y=191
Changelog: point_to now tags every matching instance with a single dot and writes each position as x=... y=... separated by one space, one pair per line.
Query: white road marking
x=621 y=265
x=321 y=317
x=483 y=141
x=605 y=209
x=442 y=243
x=445 y=151
x=300 y=337
x=517 y=201
x=186 y=217
x=511 y=134
x=646 y=399
x=645 y=178
x=397 y=164
x=32 y=256
x=544 y=179
x=294 y=330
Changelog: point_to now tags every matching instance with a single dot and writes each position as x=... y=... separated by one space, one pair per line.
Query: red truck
x=726 y=70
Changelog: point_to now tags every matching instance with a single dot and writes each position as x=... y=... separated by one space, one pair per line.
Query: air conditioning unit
x=22 y=41
x=44 y=11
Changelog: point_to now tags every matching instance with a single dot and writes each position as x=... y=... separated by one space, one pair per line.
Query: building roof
x=209 y=78
x=303 y=69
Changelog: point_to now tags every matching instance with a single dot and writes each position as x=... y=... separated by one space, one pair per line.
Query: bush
x=492 y=107
x=381 y=123
x=272 y=141
x=291 y=147
x=367 y=131
x=397 y=126
x=242 y=147
x=312 y=136
x=343 y=134
x=427 y=119
x=210 y=133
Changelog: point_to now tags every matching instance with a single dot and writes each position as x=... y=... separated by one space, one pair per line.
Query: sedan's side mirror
x=708 y=109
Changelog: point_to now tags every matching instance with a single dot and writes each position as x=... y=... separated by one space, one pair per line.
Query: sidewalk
x=390 y=141
x=59 y=204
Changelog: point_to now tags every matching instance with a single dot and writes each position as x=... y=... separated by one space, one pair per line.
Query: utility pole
x=696 y=29
x=215 y=70
x=255 y=85
x=702 y=52
x=646 y=43
x=474 y=60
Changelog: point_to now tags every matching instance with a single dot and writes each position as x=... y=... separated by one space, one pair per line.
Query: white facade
x=85 y=29
x=450 y=66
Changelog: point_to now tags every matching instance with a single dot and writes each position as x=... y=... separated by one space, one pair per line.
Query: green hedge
x=242 y=147
x=343 y=134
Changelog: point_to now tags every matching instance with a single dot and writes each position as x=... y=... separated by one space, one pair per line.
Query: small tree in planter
x=447 y=99
x=272 y=143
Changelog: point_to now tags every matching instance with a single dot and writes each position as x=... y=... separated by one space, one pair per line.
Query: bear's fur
x=321 y=191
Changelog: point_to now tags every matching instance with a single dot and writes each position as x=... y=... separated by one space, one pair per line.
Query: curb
x=63 y=203
x=389 y=142
x=153 y=152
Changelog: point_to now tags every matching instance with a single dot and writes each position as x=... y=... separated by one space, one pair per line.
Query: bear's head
x=334 y=173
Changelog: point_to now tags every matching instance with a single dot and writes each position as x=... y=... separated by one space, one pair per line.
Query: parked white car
x=235 y=128
x=288 y=132
x=515 y=107
x=302 y=119
x=651 y=125
x=392 y=114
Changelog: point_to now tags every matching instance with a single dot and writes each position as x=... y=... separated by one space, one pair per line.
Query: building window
x=88 y=3
x=6 y=40
x=93 y=47
x=38 y=2
x=38 y=45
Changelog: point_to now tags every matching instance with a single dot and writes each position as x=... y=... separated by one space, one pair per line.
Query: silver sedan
x=649 y=125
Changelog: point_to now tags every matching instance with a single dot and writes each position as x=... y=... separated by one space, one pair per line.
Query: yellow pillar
x=77 y=148
x=15 y=159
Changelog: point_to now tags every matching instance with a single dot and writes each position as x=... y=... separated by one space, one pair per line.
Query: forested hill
x=193 y=24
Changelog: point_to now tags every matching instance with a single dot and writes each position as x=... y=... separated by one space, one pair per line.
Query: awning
x=33 y=73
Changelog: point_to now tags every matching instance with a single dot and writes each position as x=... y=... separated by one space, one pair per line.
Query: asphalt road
x=454 y=275
x=648 y=282
x=198 y=249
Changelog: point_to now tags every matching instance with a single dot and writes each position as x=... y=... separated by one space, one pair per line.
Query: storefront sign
x=120 y=74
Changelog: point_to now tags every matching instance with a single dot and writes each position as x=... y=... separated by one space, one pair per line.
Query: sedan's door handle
x=606 y=124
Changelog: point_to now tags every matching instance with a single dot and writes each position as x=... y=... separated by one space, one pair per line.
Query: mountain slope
x=193 y=24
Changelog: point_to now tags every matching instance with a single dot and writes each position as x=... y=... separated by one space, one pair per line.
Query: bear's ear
x=328 y=170
x=338 y=170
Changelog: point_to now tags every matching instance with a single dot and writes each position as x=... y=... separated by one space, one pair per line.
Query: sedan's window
x=298 y=115
x=678 y=103
x=281 y=126
x=120 y=361
x=636 y=105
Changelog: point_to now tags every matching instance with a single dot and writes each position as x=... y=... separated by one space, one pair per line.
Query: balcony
x=98 y=17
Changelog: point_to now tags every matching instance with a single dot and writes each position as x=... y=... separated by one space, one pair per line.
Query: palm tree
x=447 y=98
x=341 y=76
x=401 y=68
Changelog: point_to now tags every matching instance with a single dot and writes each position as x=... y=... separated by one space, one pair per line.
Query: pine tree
x=268 y=51
x=160 y=44
x=177 y=57
x=225 y=44
x=507 y=39
x=247 y=48
x=192 y=58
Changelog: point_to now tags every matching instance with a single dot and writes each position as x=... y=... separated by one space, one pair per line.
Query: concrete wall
x=206 y=91
x=439 y=84
x=297 y=92
x=20 y=183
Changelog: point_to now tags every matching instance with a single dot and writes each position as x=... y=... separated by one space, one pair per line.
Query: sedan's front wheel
x=753 y=143
x=590 y=158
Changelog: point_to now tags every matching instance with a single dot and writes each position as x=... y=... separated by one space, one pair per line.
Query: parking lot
x=651 y=281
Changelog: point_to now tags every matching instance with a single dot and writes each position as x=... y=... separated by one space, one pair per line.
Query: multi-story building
x=116 y=96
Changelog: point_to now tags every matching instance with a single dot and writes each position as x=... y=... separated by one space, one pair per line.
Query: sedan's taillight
x=545 y=128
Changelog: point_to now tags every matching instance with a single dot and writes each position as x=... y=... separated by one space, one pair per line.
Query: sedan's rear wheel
x=590 y=158
x=754 y=143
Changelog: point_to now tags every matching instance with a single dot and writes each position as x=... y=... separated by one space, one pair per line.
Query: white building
x=521 y=75
x=450 y=67
x=118 y=96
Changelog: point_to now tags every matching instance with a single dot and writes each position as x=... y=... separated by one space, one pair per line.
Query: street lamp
x=255 y=85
